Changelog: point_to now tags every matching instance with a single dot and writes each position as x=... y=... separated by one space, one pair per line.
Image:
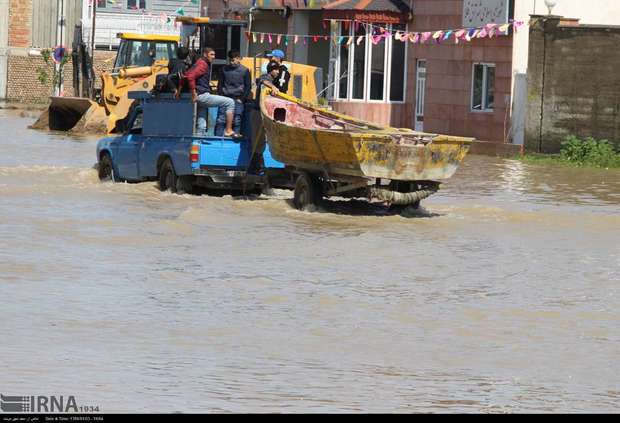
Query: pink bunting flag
x=517 y=25
x=483 y=33
x=425 y=36
x=491 y=28
x=296 y=39
x=270 y=39
x=279 y=39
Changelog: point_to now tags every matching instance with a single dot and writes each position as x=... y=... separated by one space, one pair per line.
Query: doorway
x=420 y=94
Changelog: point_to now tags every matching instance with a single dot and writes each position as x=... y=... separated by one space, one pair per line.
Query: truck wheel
x=106 y=169
x=308 y=191
x=185 y=184
x=167 y=177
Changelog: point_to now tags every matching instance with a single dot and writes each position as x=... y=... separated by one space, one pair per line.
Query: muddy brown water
x=501 y=295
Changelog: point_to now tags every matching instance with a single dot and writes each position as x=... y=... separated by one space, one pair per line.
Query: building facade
x=139 y=16
x=26 y=28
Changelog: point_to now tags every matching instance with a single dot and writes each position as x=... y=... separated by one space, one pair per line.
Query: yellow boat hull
x=362 y=150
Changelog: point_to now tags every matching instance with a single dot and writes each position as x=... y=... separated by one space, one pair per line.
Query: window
x=483 y=87
x=144 y=53
x=101 y=4
x=136 y=4
x=367 y=71
x=136 y=125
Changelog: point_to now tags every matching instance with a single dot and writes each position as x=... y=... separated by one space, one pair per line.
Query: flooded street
x=502 y=295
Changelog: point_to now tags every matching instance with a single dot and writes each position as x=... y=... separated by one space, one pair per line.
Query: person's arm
x=268 y=83
x=247 y=85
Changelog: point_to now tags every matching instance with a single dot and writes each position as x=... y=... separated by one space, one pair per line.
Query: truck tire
x=167 y=177
x=308 y=191
x=106 y=169
x=185 y=184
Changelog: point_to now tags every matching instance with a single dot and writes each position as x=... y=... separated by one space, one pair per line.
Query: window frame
x=387 y=68
x=485 y=72
x=138 y=9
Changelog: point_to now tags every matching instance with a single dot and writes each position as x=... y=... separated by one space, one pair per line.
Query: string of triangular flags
x=378 y=34
x=282 y=3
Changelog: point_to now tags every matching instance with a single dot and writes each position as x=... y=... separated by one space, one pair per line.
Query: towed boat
x=336 y=154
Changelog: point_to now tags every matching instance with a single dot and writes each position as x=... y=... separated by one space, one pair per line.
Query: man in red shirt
x=198 y=79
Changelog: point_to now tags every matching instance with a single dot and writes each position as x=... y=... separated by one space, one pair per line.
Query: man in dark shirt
x=258 y=132
x=199 y=81
x=234 y=82
x=281 y=82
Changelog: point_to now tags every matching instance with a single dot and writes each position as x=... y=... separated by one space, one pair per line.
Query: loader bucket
x=64 y=113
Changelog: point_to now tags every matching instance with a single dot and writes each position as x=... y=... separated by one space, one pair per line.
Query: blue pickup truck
x=157 y=142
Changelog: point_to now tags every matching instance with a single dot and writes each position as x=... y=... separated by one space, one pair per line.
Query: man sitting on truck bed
x=234 y=82
x=199 y=78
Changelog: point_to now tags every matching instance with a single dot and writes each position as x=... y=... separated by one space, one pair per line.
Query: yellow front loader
x=139 y=59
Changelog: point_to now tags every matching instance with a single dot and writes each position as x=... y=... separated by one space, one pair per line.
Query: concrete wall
x=600 y=12
x=573 y=84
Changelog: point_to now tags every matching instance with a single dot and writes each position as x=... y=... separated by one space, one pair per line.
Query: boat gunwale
x=372 y=131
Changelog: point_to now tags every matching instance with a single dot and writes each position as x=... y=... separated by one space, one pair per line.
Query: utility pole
x=91 y=89
x=60 y=39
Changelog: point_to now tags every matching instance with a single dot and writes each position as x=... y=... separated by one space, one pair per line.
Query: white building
x=138 y=16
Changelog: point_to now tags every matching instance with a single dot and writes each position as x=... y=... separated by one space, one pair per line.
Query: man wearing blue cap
x=281 y=82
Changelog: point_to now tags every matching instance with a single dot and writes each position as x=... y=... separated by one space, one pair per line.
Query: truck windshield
x=133 y=53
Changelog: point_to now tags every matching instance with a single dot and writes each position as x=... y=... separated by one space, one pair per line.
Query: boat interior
x=295 y=114
x=299 y=115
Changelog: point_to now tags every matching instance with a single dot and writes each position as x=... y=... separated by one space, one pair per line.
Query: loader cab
x=222 y=35
x=137 y=50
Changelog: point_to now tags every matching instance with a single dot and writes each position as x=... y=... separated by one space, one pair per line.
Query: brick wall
x=573 y=84
x=20 y=23
x=24 y=85
x=450 y=72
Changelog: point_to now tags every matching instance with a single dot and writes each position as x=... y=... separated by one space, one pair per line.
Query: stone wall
x=24 y=70
x=573 y=83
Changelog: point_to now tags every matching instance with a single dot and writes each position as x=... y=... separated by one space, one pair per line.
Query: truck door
x=128 y=149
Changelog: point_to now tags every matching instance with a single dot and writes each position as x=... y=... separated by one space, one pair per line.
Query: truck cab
x=157 y=142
